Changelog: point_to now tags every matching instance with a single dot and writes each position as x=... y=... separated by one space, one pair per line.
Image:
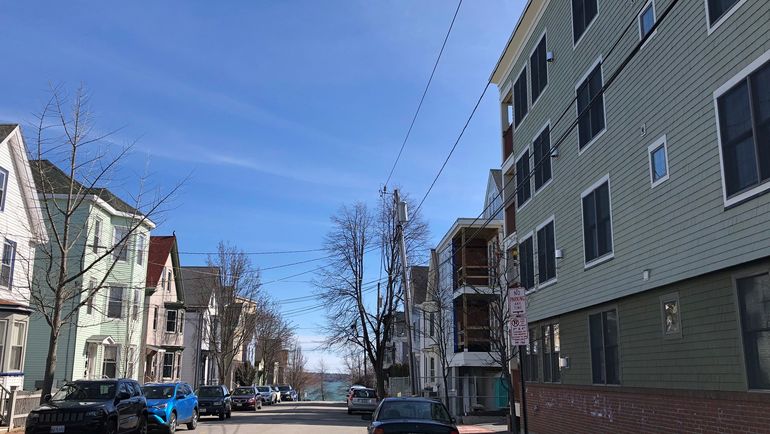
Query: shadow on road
x=317 y=413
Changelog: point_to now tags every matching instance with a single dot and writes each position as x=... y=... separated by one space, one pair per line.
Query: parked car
x=352 y=388
x=247 y=398
x=268 y=396
x=276 y=393
x=214 y=401
x=171 y=404
x=92 y=406
x=287 y=393
x=413 y=415
x=362 y=400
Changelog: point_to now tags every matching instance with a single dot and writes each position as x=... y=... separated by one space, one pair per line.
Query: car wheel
x=222 y=416
x=142 y=428
x=194 y=422
x=172 y=423
x=350 y=411
x=229 y=414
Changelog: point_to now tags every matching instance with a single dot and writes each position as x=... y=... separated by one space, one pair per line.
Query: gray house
x=636 y=158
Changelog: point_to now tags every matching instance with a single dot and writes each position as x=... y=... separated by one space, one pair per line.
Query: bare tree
x=245 y=374
x=355 y=315
x=296 y=371
x=272 y=334
x=70 y=272
x=322 y=378
x=357 y=367
x=237 y=307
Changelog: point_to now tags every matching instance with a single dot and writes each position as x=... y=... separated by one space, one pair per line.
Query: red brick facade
x=592 y=409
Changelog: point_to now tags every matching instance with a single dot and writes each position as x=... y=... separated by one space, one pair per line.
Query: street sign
x=519 y=329
x=517 y=300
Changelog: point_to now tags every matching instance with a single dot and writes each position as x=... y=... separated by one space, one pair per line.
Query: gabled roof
x=419 y=282
x=160 y=249
x=199 y=283
x=55 y=181
x=497 y=175
x=11 y=135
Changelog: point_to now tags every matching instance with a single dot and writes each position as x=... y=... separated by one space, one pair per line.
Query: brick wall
x=590 y=409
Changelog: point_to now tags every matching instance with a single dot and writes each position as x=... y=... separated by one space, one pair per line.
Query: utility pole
x=402 y=217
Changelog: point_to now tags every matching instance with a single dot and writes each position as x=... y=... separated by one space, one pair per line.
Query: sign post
x=518 y=329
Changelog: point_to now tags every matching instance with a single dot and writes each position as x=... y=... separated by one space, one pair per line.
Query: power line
x=425 y=92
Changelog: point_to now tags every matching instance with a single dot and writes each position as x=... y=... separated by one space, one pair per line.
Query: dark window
x=658 y=163
x=530 y=358
x=97 y=235
x=526 y=264
x=520 y=98
x=432 y=323
x=3 y=187
x=523 y=192
x=115 y=302
x=542 y=150
x=551 y=348
x=754 y=295
x=590 y=107
x=717 y=8
x=7 y=263
x=155 y=318
x=171 y=321
x=546 y=254
x=605 y=360
x=597 y=224
x=539 y=66
x=168 y=365
x=583 y=12
x=646 y=20
x=744 y=126
x=120 y=243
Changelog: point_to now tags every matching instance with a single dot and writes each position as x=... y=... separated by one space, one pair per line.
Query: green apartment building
x=636 y=162
x=105 y=337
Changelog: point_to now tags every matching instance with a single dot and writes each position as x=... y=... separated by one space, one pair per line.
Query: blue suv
x=169 y=404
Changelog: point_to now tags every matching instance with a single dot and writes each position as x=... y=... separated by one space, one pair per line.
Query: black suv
x=214 y=401
x=92 y=406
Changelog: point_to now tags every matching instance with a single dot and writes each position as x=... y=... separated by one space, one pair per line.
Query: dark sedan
x=411 y=415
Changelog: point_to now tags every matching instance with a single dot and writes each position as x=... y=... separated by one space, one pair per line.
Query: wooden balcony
x=472 y=328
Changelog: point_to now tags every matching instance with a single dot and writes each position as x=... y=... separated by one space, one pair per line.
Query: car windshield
x=244 y=391
x=158 y=392
x=284 y=388
x=364 y=393
x=210 y=392
x=413 y=410
x=263 y=389
x=86 y=390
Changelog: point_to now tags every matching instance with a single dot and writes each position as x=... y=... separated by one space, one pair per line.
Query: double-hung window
x=140 y=241
x=546 y=253
x=171 y=320
x=136 y=304
x=168 y=365
x=91 y=294
x=97 y=235
x=155 y=318
x=110 y=361
x=168 y=280
x=180 y=329
x=530 y=358
x=590 y=106
x=520 y=98
x=539 y=66
x=551 y=351
x=605 y=354
x=432 y=324
x=115 y=302
x=597 y=222
x=526 y=264
x=6 y=267
x=17 y=345
x=523 y=190
x=119 y=242
x=754 y=299
x=542 y=151
x=583 y=13
x=744 y=133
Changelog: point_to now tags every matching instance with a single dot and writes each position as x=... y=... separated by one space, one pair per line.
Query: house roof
x=58 y=182
x=160 y=248
x=199 y=283
x=6 y=130
x=497 y=175
x=419 y=281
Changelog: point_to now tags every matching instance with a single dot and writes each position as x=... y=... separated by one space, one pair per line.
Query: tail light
x=378 y=431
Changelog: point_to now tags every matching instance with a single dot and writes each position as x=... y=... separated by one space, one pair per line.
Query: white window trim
x=513 y=96
x=551 y=281
x=588 y=27
x=521 y=240
x=674 y=296
x=97 y=234
x=583 y=78
x=519 y=206
x=655 y=145
x=176 y=321
x=529 y=60
x=586 y=192
x=729 y=84
x=639 y=23
x=532 y=152
x=712 y=28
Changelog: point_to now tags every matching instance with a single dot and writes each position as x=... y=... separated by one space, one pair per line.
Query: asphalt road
x=305 y=417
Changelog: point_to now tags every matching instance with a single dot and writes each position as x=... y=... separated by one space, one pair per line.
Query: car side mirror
x=180 y=395
x=367 y=417
x=227 y=395
x=47 y=397
x=122 y=396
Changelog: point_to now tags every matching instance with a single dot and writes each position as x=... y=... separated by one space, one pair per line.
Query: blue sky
x=279 y=111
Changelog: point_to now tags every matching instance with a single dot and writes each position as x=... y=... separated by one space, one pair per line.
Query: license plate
x=57 y=428
x=202 y=410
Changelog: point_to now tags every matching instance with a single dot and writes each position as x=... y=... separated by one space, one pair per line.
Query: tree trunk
x=380 y=377
x=446 y=390
x=50 y=365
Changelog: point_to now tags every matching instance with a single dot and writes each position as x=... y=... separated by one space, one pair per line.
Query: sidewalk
x=486 y=428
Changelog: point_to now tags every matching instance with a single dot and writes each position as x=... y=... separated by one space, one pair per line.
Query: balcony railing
x=472 y=275
x=508 y=142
